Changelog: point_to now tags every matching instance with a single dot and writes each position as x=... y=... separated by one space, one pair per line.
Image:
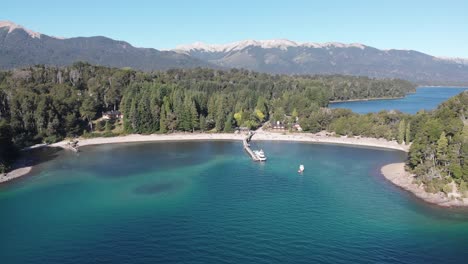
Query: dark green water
x=203 y=202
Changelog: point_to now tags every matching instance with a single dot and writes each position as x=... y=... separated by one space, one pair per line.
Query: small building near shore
x=109 y=115
x=278 y=125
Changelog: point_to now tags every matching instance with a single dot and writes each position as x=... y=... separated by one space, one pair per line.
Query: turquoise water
x=426 y=98
x=206 y=202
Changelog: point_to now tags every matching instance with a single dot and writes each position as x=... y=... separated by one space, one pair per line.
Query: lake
x=207 y=202
x=426 y=98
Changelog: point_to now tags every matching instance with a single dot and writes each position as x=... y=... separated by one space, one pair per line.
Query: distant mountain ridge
x=289 y=57
x=21 y=47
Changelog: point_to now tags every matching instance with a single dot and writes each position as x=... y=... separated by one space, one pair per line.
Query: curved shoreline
x=318 y=138
x=396 y=174
x=264 y=136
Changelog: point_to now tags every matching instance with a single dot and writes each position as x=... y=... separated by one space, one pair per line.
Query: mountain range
x=289 y=57
x=21 y=47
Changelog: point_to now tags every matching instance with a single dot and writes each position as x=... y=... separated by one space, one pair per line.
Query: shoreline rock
x=397 y=174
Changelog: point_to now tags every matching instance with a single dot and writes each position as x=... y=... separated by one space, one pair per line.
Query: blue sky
x=435 y=27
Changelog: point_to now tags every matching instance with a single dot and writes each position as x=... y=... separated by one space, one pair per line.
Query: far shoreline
x=396 y=98
x=367 y=99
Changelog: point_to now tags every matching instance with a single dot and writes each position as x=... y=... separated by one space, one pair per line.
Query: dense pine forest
x=439 y=153
x=47 y=104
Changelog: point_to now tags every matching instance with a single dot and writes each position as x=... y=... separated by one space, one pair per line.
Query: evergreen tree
x=88 y=110
x=163 y=120
x=228 y=124
x=408 y=133
x=8 y=151
x=185 y=122
x=401 y=131
x=442 y=145
x=202 y=123
x=220 y=114
x=194 y=117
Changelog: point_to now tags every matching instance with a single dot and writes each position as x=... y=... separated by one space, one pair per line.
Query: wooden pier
x=246 y=144
x=73 y=145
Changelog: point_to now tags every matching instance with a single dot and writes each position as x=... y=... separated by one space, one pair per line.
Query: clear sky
x=436 y=27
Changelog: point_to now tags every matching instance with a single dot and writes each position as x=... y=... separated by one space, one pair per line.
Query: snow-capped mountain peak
x=12 y=26
x=282 y=44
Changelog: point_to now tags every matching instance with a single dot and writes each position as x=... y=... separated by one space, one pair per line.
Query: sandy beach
x=319 y=138
x=397 y=174
x=272 y=136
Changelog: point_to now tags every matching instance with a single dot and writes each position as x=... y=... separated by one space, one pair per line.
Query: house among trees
x=112 y=115
x=278 y=125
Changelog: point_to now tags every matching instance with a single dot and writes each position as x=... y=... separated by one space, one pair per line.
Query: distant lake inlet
x=426 y=98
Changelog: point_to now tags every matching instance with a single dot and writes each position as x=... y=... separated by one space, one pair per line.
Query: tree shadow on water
x=34 y=158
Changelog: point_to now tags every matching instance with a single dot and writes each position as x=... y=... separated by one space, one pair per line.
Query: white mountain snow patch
x=12 y=26
x=463 y=61
x=282 y=44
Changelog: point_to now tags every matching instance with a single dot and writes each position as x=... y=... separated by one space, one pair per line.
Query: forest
x=46 y=104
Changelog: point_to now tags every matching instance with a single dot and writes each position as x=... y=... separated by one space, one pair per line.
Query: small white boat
x=301 y=168
x=260 y=155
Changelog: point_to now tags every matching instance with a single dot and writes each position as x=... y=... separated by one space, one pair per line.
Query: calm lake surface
x=207 y=202
x=427 y=98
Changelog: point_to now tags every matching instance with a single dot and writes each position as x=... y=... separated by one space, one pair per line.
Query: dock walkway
x=247 y=148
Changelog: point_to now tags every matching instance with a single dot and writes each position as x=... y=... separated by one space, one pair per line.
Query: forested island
x=47 y=104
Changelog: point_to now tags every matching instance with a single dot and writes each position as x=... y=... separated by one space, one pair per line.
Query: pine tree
x=202 y=123
x=401 y=131
x=185 y=123
x=194 y=117
x=408 y=133
x=442 y=145
x=162 y=120
x=220 y=114
x=228 y=124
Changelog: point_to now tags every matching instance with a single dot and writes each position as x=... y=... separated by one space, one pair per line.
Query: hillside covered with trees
x=46 y=104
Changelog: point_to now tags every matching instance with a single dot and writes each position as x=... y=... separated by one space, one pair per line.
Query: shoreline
x=396 y=174
x=367 y=99
x=319 y=138
x=443 y=86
